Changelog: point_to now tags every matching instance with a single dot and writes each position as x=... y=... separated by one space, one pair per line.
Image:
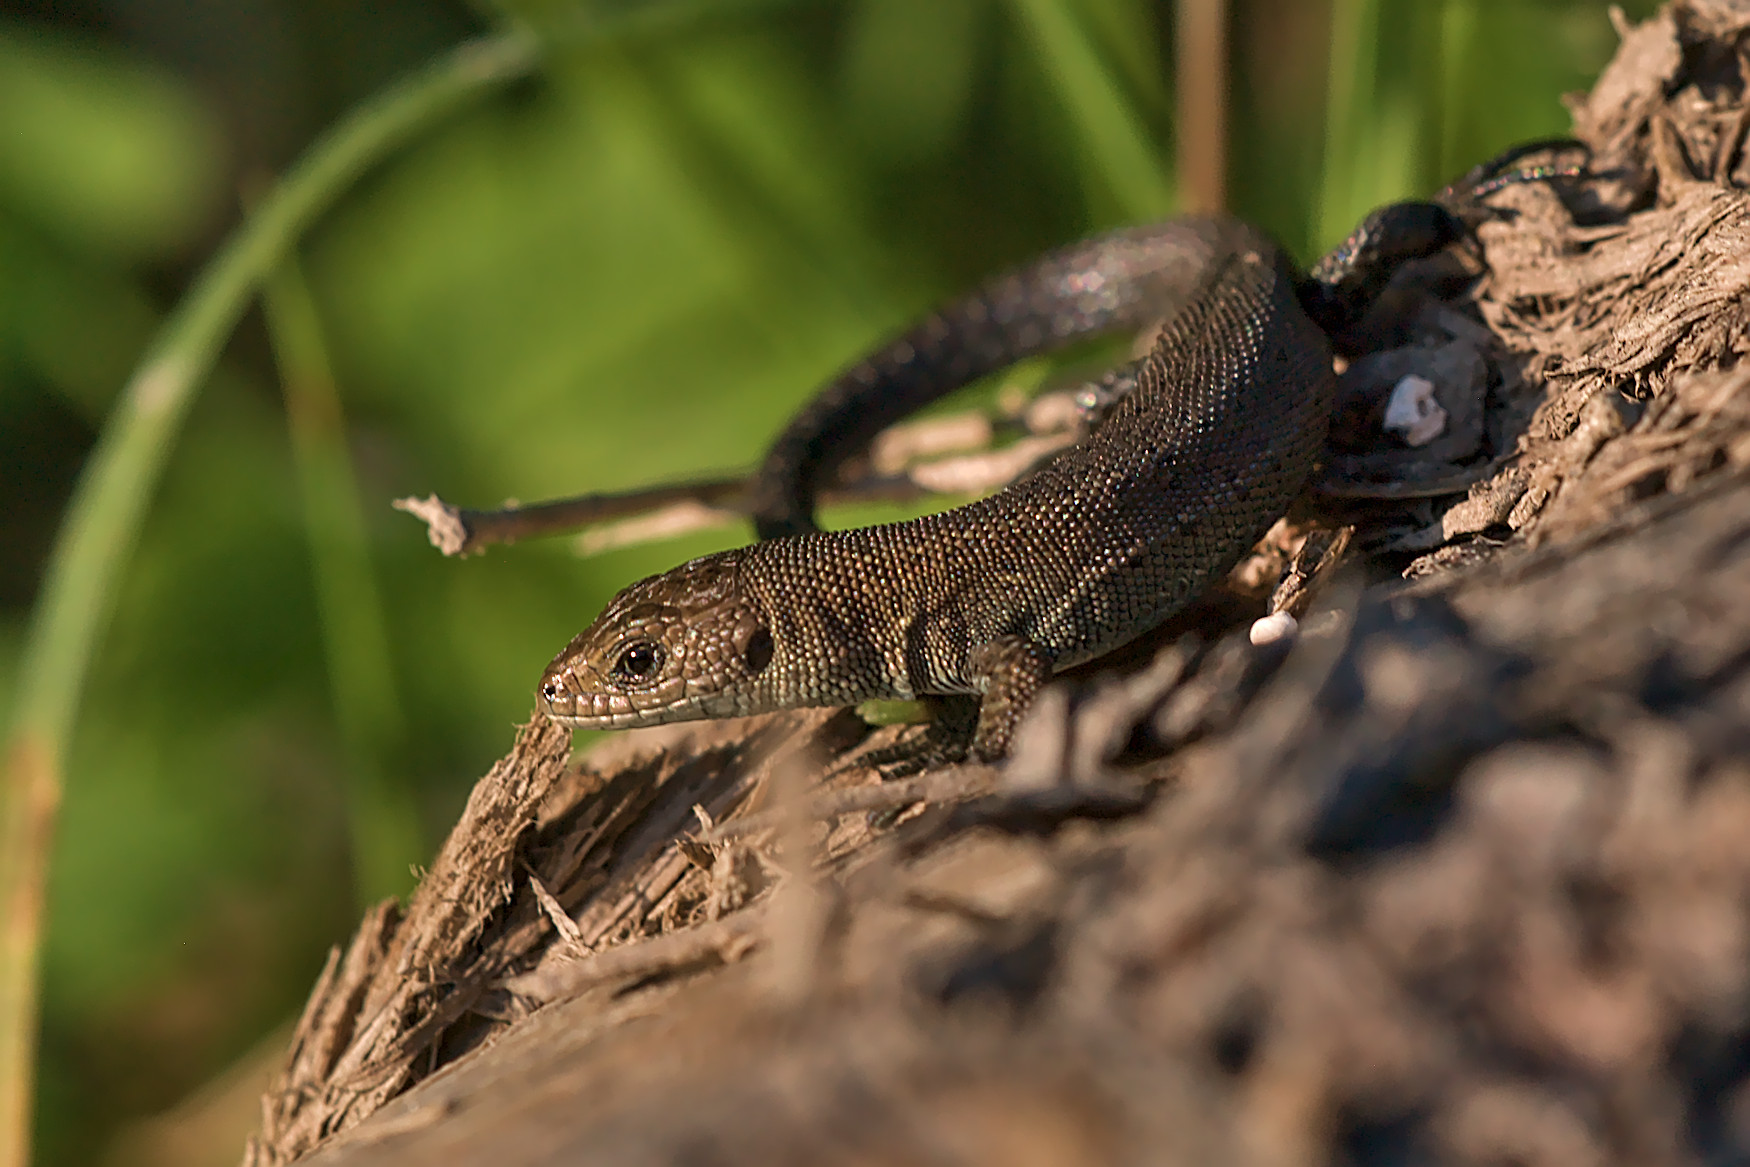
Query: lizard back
x=1228 y=416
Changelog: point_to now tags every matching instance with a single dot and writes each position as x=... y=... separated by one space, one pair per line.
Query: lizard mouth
x=559 y=701
x=562 y=698
x=599 y=712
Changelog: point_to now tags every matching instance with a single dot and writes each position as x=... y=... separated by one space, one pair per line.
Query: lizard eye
x=639 y=662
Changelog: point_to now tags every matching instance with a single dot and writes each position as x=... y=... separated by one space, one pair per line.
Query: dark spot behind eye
x=639 y=662
x=758 y=653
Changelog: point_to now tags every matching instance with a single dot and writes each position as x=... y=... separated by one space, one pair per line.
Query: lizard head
x=686 y=644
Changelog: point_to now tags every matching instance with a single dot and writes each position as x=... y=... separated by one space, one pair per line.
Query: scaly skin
x=1215 y=431
x=1228 y=414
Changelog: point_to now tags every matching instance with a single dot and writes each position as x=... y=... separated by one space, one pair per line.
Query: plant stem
x=382 y=818
x=103 y=518
x=1200 y=69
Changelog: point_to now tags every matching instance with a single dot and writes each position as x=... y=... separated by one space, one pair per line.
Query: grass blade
x=109 y=501
x=1348 y=98
x=382 y=817
x=1114 y=136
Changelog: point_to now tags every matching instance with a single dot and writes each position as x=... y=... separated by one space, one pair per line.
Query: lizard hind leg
x=1501 y=171
x=1337 y=291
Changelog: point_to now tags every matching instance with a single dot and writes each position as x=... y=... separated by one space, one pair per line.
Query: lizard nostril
x=550 y=691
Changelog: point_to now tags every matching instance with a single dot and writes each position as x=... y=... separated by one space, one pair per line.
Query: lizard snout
x=553 y=700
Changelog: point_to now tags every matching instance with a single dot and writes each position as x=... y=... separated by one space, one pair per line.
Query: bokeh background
x=627 y=268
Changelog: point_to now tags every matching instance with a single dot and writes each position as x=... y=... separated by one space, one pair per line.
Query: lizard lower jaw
x=613 y=713
x=564 y=709
x=628 y=720
x=619 y=714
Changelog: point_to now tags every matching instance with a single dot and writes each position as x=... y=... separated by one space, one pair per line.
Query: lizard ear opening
x=757 y=653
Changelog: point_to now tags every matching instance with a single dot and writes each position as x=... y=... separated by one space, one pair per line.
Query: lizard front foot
x=946 y=741
x=1010 y=671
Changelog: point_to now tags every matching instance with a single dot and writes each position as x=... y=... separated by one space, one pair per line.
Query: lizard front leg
x=1009 y=671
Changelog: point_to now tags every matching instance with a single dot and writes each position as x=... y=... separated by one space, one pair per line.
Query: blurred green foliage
x=105 y=154
x=627 y=270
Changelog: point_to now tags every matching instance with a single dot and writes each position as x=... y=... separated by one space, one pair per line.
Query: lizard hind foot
x=1463 y=196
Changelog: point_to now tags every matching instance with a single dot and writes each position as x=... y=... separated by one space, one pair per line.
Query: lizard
x=1204 y=442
